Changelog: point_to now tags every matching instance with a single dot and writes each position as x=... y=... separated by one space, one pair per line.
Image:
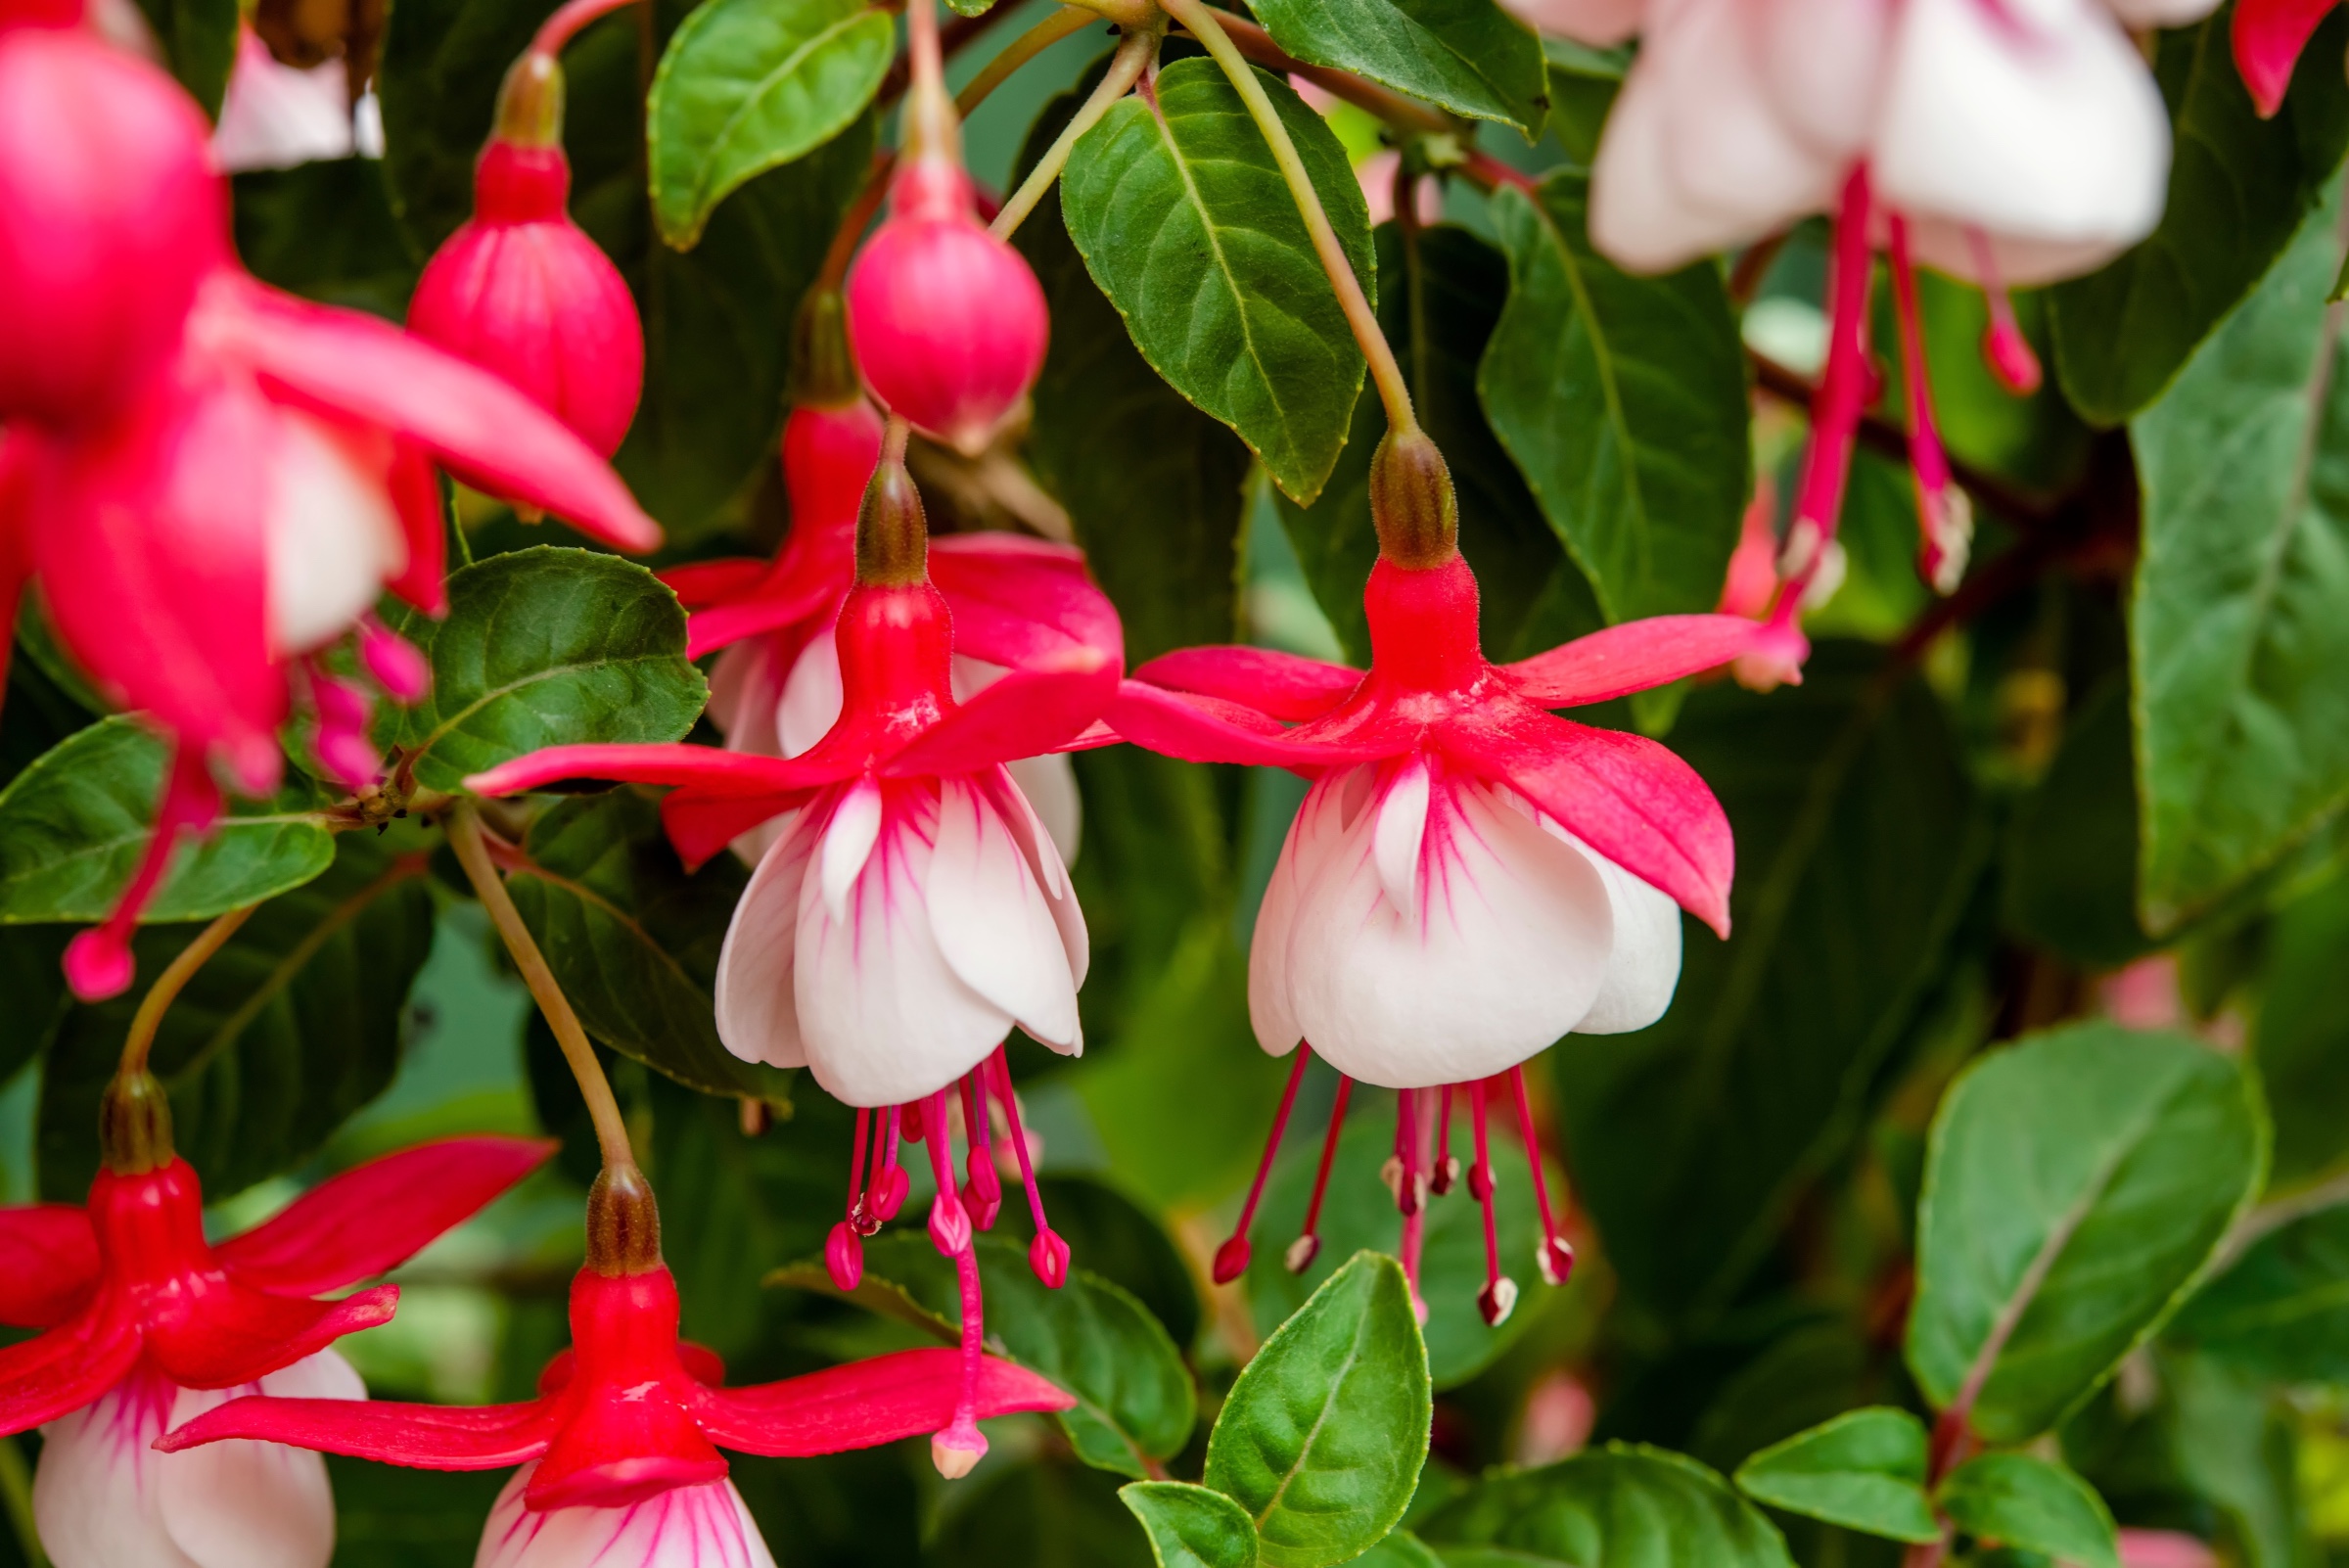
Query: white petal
x=847 y=843
x=992 y=921
x=1042 y=850
x=333 y=536
x=96 y=1491
x=1601 y=24
x=1726 y=147
x=242 y=1504
x=686 y=1527
x=1507 y=952
x=757 y=1007
x=1822 y=65
x=1397 y=834
x=2031 y=118
x=1643 y=968
x=275 y=115
x=1316 y=830
x=2019 y=262
x=883 y=1017
x=1049 y=783
x=2140 y=14
x=812 y=696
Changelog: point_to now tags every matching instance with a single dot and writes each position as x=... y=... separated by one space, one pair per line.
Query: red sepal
x=48 y=1264
x=67 y=1368
x=1632 y=657
x=1279 y=685
x=427 y=1437
x=866 y=1402
x=1027 y=712
x=2267 y=37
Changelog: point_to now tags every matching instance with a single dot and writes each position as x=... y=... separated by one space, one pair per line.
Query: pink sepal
x=16 y=535
x=729 y=621
x=66 y=1368
x=241 y=1335
x=416 y=497
x=721 y=773
x=2268 y=38
x=699 y=823
x=1280 y=685
x=375 y=1217
x=428 y=1437
x=48 y=1264
x=1027 y=712
x=1210 y=729
x=1632 y=657
x=699 y=585
x=866 y=1402
x=1018 y=600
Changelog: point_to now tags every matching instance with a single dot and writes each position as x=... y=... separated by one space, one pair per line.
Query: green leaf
x=2023 y=1502
x=545 y=647
x=2300 y=1033
x=2236 y=628
x=1620 y=1506
x=2281 y=1311
x=199 y=43
x=1469 y=56
x=1322 y=1437
x=2076 y=1187
x=74 y=824
x=1399 y=1549
x=326 y=230
x=283 y=1034
x=634 y=940
x=1623 y=399
x=1863 y=842
x=1185 y=223
x=1035 y=1516
x=748 y=84
x=2071 y=860
x=1120 y=1241
x=1864 y=1470
x=438 y=77
x=2238 y=187
x=1090 y=1336
x=1153 y=486
x=1193 y=1526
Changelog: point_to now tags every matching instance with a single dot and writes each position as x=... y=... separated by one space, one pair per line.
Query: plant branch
x=1255 y=44
x=1384 y=371
x=603 y=1108
x=1065 y=22
x=952 y=38
x=1134 y=52
x=170 y=983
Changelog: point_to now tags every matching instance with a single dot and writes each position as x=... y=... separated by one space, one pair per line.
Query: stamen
x=98 y=962
x=909 y=1120
x=844 y=1251
x=1401 y=1173
x=1555 y=1257
x=1842 y=396
x=890 y=1183
x=983 y=1193
x=961 y=1446
x=1047 y=1254
x=1414 y=1181
x=342 y=745
x=1446 y=1168
x=1307 y=1244
x=1945 y=522
x=1231 y=1258
x=1499 y=1296
x=392 y=660
x=950 y=1222
x=2005 y=348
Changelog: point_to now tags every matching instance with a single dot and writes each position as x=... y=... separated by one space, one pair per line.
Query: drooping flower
x=147 y=1324
x=519 y=288
x=913 y=908
x=1469 y=878
x=619 y=1454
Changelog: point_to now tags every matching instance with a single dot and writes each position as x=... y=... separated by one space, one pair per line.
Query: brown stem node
x=1412 y=504
x=623 y=1223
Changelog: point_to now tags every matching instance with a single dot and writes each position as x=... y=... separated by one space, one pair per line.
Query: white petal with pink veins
x=685 y=1527
x=1397 y=834
x=333 y=536
x=1049 y=783
x=245 y=1504
x=1822 y=65
x=884 y=1018
x=1043 y=849
x=1643 y=968
x=847 y=844
x=992 y=922
x=95 y=1492
x=2035 y=118
x=1507 y=950
x=758 y=1006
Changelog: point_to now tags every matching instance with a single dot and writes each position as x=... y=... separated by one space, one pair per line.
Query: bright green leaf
x=1864 y=1470
x=1322 y=1437
x=1399 y=1549
x=1469 y=56
x=1193 y=1526
x=748 y=84
x=2019 y=1501
x=1185 y=223
x=2076 y=1185
x=1620 y=1506
x=2281 y=1311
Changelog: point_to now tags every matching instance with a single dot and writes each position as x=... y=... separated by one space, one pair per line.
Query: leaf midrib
x=536 y=678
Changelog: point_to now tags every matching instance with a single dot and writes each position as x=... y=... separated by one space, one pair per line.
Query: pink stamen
x=392 y=660
x=342 y=745
x=1842 y=397
x=1555 y=1257
x=1499 y=1298
x=1401 y=1173
x=890 y=1183
x=1446 y=1168
x=1047 y=1254
x=983 y=1193
x=844 y=1255
x=861 y=1213
x=961 y=1446
x=1231 y=1258
x=2005 y=348
x=1307 y=1244
x=98 y=963
x=1415 y=1219
x=950 y=1222
x=1943 y=526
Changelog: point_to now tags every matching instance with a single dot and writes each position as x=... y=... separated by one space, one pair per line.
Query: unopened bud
x=1412 y=504
x=529 y=102
x=823 y=372
x=623 y=1223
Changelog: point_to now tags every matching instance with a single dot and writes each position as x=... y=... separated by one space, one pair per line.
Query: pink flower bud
x=946 y=320
x=522 y=291
x=110 y=216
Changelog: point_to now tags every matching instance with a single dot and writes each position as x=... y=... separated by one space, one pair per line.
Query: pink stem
x=1842 y=391
x=1231 y=1258
x=558 y=29
x=856 y=1163
x=1414 y=1218
x=1940 y=552
x=2005 y=348
x=1445 y=1171
x=98 y=962
x=1406 y=1151
x=1019 y=1138
x=1302 y=1251
x=984 y=1193
x=1500 y=1294
x=1556 y=1258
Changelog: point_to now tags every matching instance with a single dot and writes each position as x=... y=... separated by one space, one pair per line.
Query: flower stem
x=170 y=983
x=931 y=127
x=1064 y=23
x=1134 y=52
x=558 y=29
x=603 y=1108
x=1384 y=371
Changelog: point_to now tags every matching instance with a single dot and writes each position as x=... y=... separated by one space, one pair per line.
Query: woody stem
x=1134 y=52
x=170 y=983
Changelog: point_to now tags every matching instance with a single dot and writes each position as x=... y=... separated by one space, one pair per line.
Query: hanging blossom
x=2003 y=142
x=913 y=908
x=775 y=689
x=1469 y=878
x=146 y=1324
x=235 y=512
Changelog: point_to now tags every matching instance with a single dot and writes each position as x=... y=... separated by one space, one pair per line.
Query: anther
x=1231 y=1257
x=1307 y=1245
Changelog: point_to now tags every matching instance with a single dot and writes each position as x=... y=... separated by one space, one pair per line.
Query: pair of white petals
x=684 y=1527
x=1421 y=928
x=103 y=1497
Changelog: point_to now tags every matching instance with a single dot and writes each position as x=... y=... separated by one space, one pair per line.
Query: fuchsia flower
x=2267 y=37
x=1469 y=878
x=520 y=290
x=146 y=1324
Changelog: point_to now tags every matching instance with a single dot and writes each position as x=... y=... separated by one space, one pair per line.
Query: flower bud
x=111 y=213
x=946 y=320
x=521 y=290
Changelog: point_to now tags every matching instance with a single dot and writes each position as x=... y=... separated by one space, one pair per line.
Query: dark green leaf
x=326 y=230
x=2023 y=1502
x=546 y=647
x=73 y=825
x=1118 y=1240
x=1623 y=400
x=1620 y=1507
x=2233 y=1441
x=633 y=939
x=1862 y=842
x=387 y=1516
x=1401 y=1549
x=2300 y=1036
x=2238 y=187
x=1469 y=56
x=1323 y=1437
x=33 y=977
x=1041 y=1515
x=199 y=43
x=2076 y=1187
x=437 y=77
x=1864 y=1470
x=293 y=1026
x=748 y=84
x=2071 y=848
x=2282 y=1311
x=1185 y=223
x=1191 y=1527
x=2236 y=628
